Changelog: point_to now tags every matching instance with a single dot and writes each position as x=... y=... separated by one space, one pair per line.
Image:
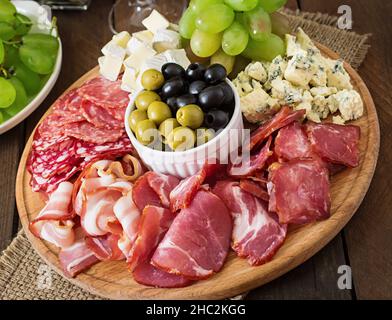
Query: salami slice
x=101 y=117
x=86 y=131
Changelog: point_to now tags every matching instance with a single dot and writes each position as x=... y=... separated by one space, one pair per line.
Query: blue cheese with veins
x=337 y=75
x=349 y=103
x=300 y=69
x=257 y=71
x=257 y=104
x=285 y=92
x=275 y=71
x=291 y=45
x=323 y=91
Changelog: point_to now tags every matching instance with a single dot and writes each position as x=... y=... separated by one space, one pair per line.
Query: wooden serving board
x=112 y=280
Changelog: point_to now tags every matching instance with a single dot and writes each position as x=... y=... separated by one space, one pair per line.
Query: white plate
x=35 y=12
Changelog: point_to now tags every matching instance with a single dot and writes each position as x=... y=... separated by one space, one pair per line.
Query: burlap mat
x=23 y=274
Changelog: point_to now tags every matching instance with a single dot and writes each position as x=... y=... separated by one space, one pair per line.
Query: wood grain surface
x=112 y=280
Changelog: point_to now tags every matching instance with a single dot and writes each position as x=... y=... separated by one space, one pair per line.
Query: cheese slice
x=133 y=45
x=144 y=36
x=111 y=67
x=129 y=80
x=165 y=39
x=177 y=56
x=122 y=39
x=114 y=50
x=155 y=22
x=139 y=57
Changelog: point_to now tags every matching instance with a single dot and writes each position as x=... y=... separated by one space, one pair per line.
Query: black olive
x=174 y=87
x=172 y=103
x=228 y=92
x=215 y=73
x=171 y=70
x=195 y=72
x=185 y=100
x=216 y=119
x=197 y=86
x=211 y=97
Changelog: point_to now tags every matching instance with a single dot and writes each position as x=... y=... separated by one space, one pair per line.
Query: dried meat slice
x=162 y=185
x=335 y=143
x=299 y=191
x=198 y=240
x=86 y=131
x=255 y=188
x=101 y=117
x=283 y=118
x=257 y=235
x=105 y=247
x=143 y=195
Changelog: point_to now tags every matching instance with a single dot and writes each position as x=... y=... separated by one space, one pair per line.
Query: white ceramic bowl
x=34 y=11
x=185 y=163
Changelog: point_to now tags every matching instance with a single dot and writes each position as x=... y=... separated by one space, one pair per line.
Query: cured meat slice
x=246 y=166
x=283 y=118
x=105 y=247
x=255 y=188
x=86 y=131
x=299 y=191
x=143 y=195
x=292 y=143
x=105 y=93
x=101 y=117
x=54 y=223
x=154 y=223
x=146 y=274
x=198 y=240
x=77 y=257
x=257 y=235
x=335 y=143
x=162 y=185
x=181 y=196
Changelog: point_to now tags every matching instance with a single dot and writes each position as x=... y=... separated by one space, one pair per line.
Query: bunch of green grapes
x=236 y=27
x=26 y=60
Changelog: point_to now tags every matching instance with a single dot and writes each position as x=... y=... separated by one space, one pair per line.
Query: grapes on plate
x=36 y=59
x=2 y=54
x=215 y=18
x=280 y=24
x=242 y=5
x=7 y=93
x=220 y=57
x=20 y=99
x=41 y=41
x=7 y=31
x=272 y=5
x=258 y=23
x=235 y=39
x=22 y=24
x=264 y=50
x=7 y=11
x=205 y=44
x=31 y=80
x=200 y=5
x=187 y=24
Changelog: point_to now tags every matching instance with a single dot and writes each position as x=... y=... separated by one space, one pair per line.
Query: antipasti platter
x=140 y=182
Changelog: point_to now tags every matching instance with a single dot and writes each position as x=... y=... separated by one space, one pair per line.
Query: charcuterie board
x=112 y=280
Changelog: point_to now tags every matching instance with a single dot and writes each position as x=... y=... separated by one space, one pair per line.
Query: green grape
x=187 y=24
x=7 y=93
x=20 y=100
x=205 y=44
x=223 y=59
x=2 y=53
x=280 y=24
x=235 y=39
x=272 y=5
x=215 y=18
x=31 y=81
x=41 y=41
x=265 y=50
x=22 y=24
x=36 y=59
x=242 y=5
x=258 y=23
x=1 y=117
x=7 y=31
x=7 y=11
x=11 y=55
x=200 y=5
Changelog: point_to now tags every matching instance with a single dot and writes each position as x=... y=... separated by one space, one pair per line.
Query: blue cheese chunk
x=291 y=45
x=257 y=104
x=300 y=69
x=257 y=71
x=323 y=91
x=243 y=84
x=275 y=71
x=337 y=75
x=285 y=92
x=320 y=106
x=349 y=103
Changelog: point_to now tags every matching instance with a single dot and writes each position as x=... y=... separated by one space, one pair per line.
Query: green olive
x=190 y=116
x=146 y=131
x=203 y=135
x=181 y=139
x=167 y=126
x=135 y=117
x=145 y=98
x=152 y=79
x=158 y=112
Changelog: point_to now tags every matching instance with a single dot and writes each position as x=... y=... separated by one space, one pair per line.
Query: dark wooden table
x=365 y=244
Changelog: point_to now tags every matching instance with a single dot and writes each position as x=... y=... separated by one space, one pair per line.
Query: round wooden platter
x=112 y=280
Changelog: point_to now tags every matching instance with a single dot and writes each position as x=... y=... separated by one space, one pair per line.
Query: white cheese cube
x=337 y=75
x=165 y=39
x=129 y=80
x=155 y=22
x=100 y=61
x=256 y=71
x=144 y=36
x=137 y=59
x=177 y=56
x=133 y=45
x=111 y=67
x=122 y=39
x=114 y=50
x=300 y=69
x=349 y=103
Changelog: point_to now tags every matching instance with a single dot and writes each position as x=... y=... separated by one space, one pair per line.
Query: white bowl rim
x=237 y=112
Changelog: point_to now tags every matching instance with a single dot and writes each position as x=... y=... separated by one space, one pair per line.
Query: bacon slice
x=198 y=240
x=299 y=191
x=292 y=143
x=255 y=188
x=105 y=247
x=54 y=223
x=335 y=143
x=143 y=195
x=283 y=118
x=246 y=166
x=257 y=235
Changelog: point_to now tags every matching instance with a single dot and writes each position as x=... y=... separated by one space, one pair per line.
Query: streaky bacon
x=105 y=247
x=198 y=240
x=283 y=118
x=299 y=191
x=257 y=235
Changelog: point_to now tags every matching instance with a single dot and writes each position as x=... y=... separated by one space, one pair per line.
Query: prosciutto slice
x=335 y=143
x=162 y=185
x=299 y=191
x=257 y=235
x=143 y=195
x=283 y=118
x=54 y=223
x=198 y=240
